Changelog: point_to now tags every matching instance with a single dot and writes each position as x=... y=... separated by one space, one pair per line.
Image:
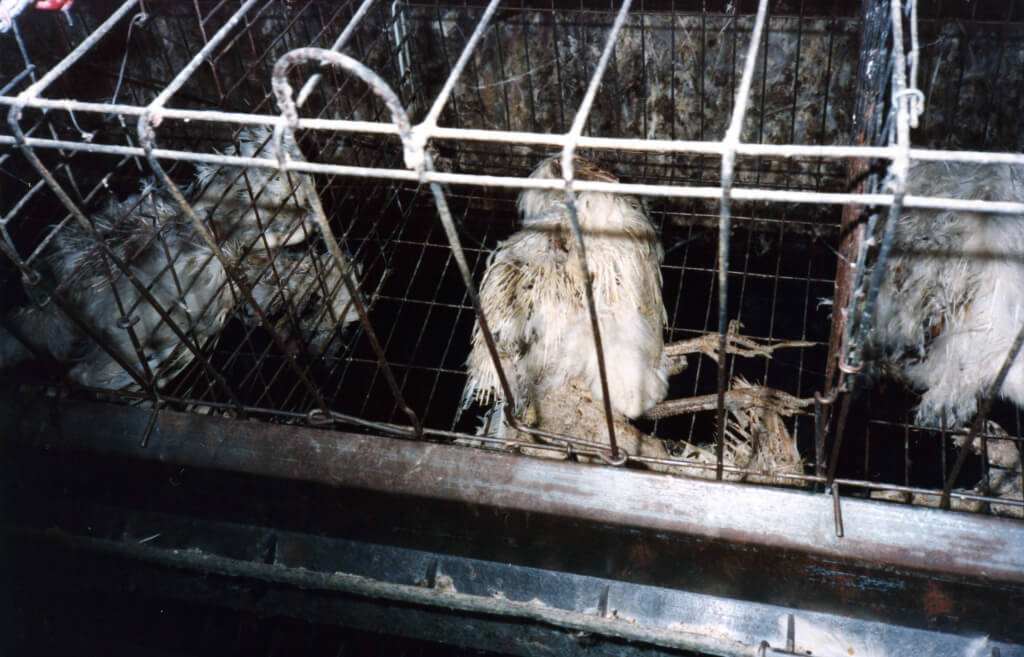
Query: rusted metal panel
x=889 y=536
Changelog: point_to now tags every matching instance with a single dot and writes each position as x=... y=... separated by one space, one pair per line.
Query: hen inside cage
x=177 y=278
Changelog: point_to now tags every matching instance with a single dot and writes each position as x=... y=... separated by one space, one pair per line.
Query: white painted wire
x=429 y=130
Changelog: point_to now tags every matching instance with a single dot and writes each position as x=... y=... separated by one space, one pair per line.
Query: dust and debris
x=445 y=583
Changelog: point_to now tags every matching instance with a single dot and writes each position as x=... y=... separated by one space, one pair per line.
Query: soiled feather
x=255 y=207
x=251 y=211
x=161 y=251
x=952 y=299
x=308 y=287
x=534 y=299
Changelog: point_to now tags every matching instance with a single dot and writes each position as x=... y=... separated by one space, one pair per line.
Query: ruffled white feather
x=952 y=299
x=534 y=299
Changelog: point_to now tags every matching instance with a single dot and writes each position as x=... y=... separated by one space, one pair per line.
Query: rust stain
x=734 y=569
x=846 y=588
x=937 y=601
x=641 y=555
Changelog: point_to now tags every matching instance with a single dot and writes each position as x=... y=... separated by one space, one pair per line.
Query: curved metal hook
x=413 y=150
x=622 y=459
x=915 y=104
x=283 y=92
x=319 y=417
x=828 y=399
x=848 y=368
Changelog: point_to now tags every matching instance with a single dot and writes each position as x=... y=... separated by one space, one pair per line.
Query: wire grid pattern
x=488 y=91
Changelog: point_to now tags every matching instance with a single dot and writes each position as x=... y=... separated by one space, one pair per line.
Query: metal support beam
x=891 y=536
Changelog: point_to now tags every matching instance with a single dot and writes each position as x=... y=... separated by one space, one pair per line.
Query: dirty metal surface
x=917 y=568
x=443 y=597
x=927 y=540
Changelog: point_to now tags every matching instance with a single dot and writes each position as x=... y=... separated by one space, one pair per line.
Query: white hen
x=250 y=211
x=534 y=299
x=952 y=298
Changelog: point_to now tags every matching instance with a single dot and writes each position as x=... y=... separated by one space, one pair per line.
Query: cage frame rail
x=950 y=544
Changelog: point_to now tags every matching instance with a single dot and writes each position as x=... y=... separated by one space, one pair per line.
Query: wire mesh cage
x=298 y=211
x=223 y=309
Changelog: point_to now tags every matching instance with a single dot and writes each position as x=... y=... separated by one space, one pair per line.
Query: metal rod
x=567 y=172
x=785 y=151
x=833 y=460
x=424 y=130
x=979 y=419
x=836 y=509
x=154 y=108
x=732 y=138
x=738 y=193
x=902 y=100
x=342 y=39
x=94 y=37
x=849 y=268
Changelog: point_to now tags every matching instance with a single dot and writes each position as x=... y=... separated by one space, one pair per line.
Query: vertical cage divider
x=730 y=142
x=579 y=121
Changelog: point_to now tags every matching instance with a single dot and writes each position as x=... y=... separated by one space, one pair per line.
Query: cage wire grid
x=715 y=117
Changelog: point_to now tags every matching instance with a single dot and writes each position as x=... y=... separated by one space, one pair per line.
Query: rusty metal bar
x=866 y=128
x=904 y=107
